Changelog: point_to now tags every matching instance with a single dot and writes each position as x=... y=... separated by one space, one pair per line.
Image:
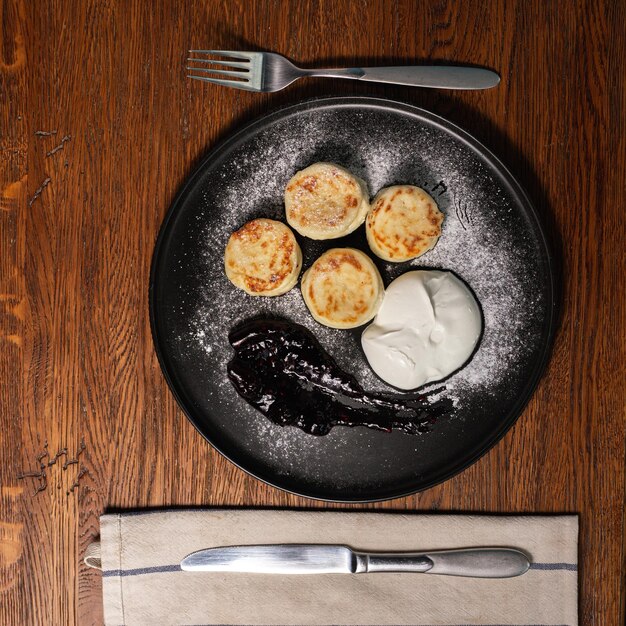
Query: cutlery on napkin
x=140 y=556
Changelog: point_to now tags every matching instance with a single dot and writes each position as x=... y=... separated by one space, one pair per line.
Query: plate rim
x=550 y=324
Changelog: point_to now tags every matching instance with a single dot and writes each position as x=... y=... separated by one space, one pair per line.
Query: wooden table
x=99 y=127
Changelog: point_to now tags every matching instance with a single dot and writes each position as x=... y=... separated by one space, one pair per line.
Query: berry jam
x=281 y=369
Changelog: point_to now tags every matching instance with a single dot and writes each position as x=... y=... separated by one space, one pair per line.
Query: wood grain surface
x=98 y=129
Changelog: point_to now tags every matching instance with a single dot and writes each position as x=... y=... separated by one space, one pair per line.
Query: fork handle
x=435 y=76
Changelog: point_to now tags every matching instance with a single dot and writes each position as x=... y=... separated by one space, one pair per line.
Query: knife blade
x=340 y=559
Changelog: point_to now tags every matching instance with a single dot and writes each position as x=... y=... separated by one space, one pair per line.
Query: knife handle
x=472 y=562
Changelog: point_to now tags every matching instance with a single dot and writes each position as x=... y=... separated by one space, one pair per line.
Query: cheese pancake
x=263 y=258
x=403 y=223
x=342 y=288
x=325 y=201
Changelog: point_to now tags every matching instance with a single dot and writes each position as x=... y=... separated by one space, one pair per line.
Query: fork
x=267 y=71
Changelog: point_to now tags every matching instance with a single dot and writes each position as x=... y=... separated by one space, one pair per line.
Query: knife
x=339 y=559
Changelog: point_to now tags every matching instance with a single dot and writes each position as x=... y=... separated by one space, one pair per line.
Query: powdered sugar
x=478 y=248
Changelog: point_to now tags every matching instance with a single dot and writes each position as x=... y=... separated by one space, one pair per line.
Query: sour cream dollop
x=426 y=328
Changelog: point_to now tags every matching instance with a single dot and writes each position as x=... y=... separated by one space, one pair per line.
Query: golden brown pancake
x=403 y=223
x=342 y=288
x=325 y=201
x=263 y=258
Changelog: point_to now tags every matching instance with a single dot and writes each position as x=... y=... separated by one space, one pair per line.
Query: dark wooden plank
x=76 y=359
x=14 y=141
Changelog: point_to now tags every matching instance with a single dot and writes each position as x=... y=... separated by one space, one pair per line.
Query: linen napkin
x=139 y=554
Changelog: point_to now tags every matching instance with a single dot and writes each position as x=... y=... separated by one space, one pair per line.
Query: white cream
x=426 y=328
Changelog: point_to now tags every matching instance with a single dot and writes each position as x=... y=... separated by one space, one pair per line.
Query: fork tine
x=238 y=84
x=242 y=56
x=210 y=70
x=244 y=64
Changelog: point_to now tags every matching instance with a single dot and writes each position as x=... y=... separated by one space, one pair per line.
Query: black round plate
x=491 y=238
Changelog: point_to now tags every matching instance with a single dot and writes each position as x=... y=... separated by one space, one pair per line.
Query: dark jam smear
x=281 y=369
